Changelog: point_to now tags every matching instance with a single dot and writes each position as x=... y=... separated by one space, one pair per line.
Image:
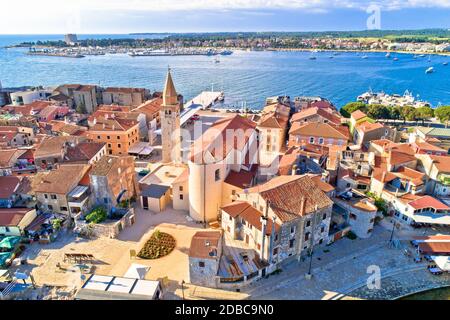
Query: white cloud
x=164 y=5
x=60 y=16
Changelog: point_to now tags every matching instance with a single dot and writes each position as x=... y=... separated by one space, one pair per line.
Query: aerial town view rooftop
x=200 y=164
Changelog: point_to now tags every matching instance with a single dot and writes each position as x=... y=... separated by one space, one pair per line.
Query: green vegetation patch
x=97 y=215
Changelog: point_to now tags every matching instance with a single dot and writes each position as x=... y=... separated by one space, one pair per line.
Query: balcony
x=78 y=196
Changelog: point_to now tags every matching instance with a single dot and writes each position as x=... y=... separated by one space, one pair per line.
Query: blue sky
x=119 y=16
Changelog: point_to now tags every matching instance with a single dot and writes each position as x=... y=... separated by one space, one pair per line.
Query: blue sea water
x=244 y=76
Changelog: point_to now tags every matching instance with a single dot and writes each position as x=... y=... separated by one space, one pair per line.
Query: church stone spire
x=170 y=96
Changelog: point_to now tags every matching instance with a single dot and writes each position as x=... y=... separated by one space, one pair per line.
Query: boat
x=445 y=63
x=429 y=70
x=422 y=55
x=365 y=57
x=395 y=59
x=388 y=55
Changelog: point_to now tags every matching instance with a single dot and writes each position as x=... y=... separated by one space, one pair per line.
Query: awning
x=443 y=262
x=141 y=148
x=432 y=218
x=137 y=271
x=78 y=191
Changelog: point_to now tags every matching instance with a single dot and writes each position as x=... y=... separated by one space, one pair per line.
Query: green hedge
x=97 y=215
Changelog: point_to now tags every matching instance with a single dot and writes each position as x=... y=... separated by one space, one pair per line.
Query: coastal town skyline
x=94 y=17
x=158 y=150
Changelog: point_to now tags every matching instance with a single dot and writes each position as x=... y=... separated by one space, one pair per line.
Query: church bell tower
x=170 y=123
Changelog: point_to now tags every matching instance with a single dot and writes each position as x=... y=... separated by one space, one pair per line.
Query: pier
x=204 y=100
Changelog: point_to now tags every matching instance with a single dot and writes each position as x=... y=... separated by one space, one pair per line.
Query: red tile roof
x=249 y=214
x=358 y=114
x=241 y=180
x=12 y=217
x=216 y=137
x=205 y=244
x=324 y=130
x=8 y=185
x=286 y=194
x=83 y=151
x=428 y=202
x=334 y=118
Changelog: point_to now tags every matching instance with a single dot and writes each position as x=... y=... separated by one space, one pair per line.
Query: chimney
x=263 y=234
x=303 y=206
x=95 y=121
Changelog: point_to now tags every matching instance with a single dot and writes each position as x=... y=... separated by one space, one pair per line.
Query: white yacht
x=429 y=70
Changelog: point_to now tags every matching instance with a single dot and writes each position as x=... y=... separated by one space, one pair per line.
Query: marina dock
x=204 y=100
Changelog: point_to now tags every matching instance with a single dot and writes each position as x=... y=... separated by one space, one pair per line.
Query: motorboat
x=429 y=70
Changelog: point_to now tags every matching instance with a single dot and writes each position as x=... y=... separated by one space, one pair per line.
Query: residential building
x=113 y=180
x=316 y=114
x=13 y=221
x=52 y=193
x=125 y=96
x=272 y=129
x=205 y=253
x=359 y=212
x=19 y=98
x=85 y=152
x=166 y=185
x=285 y=217
x=84 y=97
x=9 y=191
x=52 y=150
x=318 y=133
x=118 y=134
x=366 y=132
x=15 y=136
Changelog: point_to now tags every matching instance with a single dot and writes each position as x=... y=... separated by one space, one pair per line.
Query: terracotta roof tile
x=286 y=194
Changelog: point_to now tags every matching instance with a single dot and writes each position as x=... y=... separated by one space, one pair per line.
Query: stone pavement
x=341 y=271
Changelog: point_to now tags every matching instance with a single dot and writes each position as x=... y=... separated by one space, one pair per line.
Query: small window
x=324 y=216
x=108 y=137
x=233 y=192
x=292 y=229
x=217 y=175
x=181 y=197
x=308 y=223
x=321 y=140
x=45 y=196
x=275 y=251
x=53 y=196
x=98 y=137
x=201 y=264
x=118 y=137
x=181 y=188
x=311 y=140
x=291 y=243
x=322 y=229
x=63 y=208
x=50 y=207
x=307 y=236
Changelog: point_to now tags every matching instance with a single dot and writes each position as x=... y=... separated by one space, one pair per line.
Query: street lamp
x=182 y=288
x=392 y=233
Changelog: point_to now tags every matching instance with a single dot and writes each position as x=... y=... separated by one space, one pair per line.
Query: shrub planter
x=159 y=245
